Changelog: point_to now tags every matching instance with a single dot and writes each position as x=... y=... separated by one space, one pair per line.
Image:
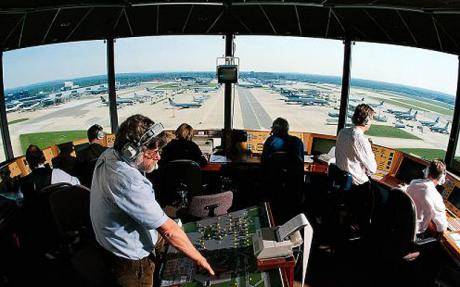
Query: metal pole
x=228 y=94
x=111 y=82
x=345 y=85
x=3 y=119
x=453 y=138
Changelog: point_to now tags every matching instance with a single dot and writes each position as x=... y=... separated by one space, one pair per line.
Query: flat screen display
x=454 y=198
x=321 y=146
x=410 y=170
x=227 y=74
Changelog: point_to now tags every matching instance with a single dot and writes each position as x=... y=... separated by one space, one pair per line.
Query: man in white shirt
x=42 y=175
x=428 y=201
x=354 y=155
x=353 y=151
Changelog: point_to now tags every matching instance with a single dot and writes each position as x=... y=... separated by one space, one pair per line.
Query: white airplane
x=408 y=116
x=377 y=105
x=120 y=101
x=184 y=105
x=11 y=108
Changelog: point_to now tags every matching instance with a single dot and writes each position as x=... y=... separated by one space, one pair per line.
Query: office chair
x=394 y=228
x=284 y=183
x=180 y=180
x=211 y=205
x=70 y=209
x=41 y=234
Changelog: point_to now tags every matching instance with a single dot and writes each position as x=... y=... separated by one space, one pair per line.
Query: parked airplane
x=13 y=107
x=379 y=105
x=120 y=101
x=184 y=105
x=314 y=102
x=408 y=117
x=332 y=121
x=399 y=112
x=430 y=123
x=333 y=114
x=400 y=125
x=380 y=118
x=442 y=130
x=31 y=107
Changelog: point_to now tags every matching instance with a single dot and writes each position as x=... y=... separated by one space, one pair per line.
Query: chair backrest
x=395 y=224
x=338 y=180
x=210 y=205
x=70 y=208
x=178 y=175
x=284 y=183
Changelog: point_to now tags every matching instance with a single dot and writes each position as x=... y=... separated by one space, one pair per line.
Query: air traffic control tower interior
x=229 y=69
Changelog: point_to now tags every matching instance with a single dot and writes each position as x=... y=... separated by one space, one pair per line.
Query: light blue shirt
x=123 y=209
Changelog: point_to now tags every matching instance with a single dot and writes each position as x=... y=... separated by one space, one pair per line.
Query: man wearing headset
x=126 y=218
x=95 y=148
x=354 y=155
x=280 y=140
x=428 y=201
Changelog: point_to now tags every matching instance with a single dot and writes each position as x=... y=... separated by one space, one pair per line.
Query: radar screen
x=384 y=158
x=226 y=242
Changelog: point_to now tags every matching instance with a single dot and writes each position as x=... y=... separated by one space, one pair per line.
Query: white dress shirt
x=353 y=154
x=428 y=204
x=58 y=175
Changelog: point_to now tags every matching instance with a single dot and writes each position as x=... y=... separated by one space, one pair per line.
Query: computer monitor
x=321 y=145
x=227 y=74
x=410 y=170
x=454 y=197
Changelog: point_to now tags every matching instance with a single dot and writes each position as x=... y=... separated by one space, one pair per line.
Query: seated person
x=65 y=160
x=237 y=150
x=88 y=156
x=280 y=140
x=95 y=148
x=182 y=147
x=42 y=175
x=428 y=201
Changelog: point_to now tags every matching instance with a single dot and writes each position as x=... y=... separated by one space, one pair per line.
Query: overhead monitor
x=410 y=170
x=227 y=74
x=321 y=145
x=454 y=197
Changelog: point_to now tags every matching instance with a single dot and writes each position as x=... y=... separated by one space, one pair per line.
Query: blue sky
x=387 y=63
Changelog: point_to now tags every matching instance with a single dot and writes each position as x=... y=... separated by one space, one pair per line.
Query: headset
x=100 y=132
x=132 y=150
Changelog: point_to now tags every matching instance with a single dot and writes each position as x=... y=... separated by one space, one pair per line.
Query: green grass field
x=408 y=103
x=47 y=139
x=18 y=121
x=425 y=153
x=429 y=105
x=389 y=132
x=166 y=86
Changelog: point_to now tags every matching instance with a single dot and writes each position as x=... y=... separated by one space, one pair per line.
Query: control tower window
x=412 y=91
x=298 y=79
x=54 y=93
x=171 y=79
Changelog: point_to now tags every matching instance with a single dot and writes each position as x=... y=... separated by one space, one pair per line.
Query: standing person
x=182 y=147
x=354 y=155
x=127 y=220
x=428 y=201
x=280 y=140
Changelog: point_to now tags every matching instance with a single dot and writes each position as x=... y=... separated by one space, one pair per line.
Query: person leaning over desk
x=125 y=215
x=354 y=155
x=428 y=201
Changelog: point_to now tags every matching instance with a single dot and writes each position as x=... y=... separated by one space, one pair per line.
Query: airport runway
x=254 y=115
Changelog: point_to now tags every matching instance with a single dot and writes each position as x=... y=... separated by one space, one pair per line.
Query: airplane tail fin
x=103 y=100
x=437 y=120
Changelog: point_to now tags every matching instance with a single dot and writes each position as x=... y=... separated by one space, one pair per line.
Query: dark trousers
x=360 y=201
x=131 y=273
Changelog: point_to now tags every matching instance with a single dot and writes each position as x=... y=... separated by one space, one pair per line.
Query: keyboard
x=453 y=224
